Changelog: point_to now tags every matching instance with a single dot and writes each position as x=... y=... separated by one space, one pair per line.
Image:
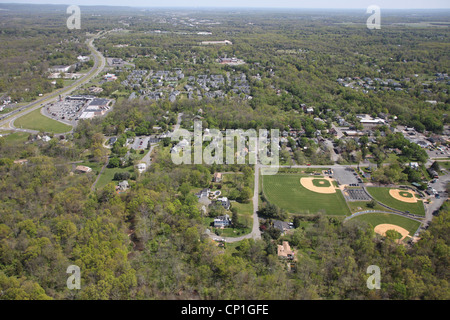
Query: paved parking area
x=438 y=153
x=64 y=110
x=356 y=195
x=140 y=143
x=345 y=176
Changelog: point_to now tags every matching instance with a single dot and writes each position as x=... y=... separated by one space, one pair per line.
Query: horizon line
x=215 y=7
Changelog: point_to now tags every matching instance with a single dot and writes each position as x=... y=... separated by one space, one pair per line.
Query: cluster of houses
x=442 y=77
x=134 y=79
x=230 y=61
x=369 y=84
x=211 y=199
x=216 y=86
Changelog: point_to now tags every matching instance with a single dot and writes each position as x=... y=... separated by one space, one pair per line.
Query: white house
x=83 y=58
x=222 y=221
x=141 y=167
x=414 y=165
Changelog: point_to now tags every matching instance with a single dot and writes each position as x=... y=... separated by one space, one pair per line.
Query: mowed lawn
x=285 y=191
x=382 y=194
x=16 y=137
x=108 y=176
x=380 y=218
x=36 y=121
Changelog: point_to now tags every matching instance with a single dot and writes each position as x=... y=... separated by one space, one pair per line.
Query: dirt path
x=98 y=177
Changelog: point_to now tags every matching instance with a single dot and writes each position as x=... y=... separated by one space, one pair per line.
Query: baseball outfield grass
x=382 y=194
x=286 y=191
x=375 y=219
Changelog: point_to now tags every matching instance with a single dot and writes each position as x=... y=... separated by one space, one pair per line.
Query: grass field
x=405 y=194
x=356 y=206
x=379 y=218
x=108 y=175
x=382 y=194
x=321 y=183
x=245 y=209
x=36 y=121
x=16 y=137
x=285 y=191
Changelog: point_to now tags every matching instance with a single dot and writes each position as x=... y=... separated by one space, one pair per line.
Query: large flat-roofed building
x=97 y=107
x=222 y=42
x=59 y=69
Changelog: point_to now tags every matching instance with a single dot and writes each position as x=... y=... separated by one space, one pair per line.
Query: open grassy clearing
x=16 y=137
x=36 y=121
x=108 y=175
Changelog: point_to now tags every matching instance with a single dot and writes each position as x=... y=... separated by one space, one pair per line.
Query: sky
x=334 y=4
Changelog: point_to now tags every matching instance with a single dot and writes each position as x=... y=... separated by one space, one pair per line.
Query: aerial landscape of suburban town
x=190 y=153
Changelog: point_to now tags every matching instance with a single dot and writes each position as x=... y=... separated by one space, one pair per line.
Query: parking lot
x=66 y=110
x=140 y=143
x=345 y=176
x=436 y=153
x=357 y=194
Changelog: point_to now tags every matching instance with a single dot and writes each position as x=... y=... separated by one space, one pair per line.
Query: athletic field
x=382 y=194
x=286 y=191
x=385 y=218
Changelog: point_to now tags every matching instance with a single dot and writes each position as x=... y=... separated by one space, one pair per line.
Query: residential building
x=83 y=169
x=21 y=161
x=222 y=221
x=123 y=185
x=281 y=225
x=284 y=251
x=203 y=193
x=141 y=167
x=217 y=177
x=224 y=202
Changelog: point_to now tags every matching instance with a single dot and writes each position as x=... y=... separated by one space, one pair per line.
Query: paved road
x=256 y=233
x=177 y=125
x=7 y=123
x=146 y=159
